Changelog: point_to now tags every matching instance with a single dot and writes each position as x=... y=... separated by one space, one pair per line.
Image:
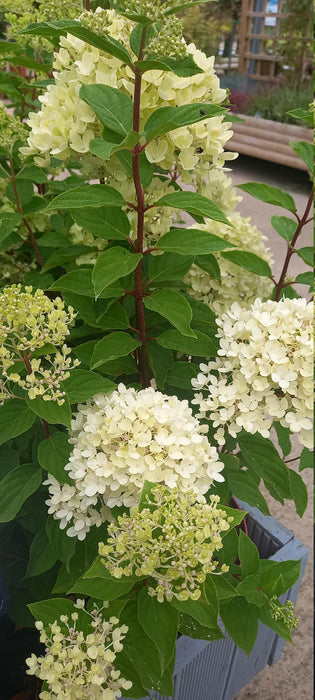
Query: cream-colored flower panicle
x=264 y=372
x=236 y=283
x=66 y=124
x=122 y=439
x=77 y=665
x=171 y=543
x=29 y=320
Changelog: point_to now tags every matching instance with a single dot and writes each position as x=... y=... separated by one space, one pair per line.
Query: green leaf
x=224 y=588
x=38 y=280
x=260 y=454
x=53 y=454
x=278 y=576
x=63 y=546
x=24 y=189
x=173 y=306
x=249 y=261
x=160 y=360
x=110 y=223
x=98 y=583
x=307 y=254
x=112 y=265
x=169 y=267
x=306 y=151
x=203 y=316
x=192 y=241
x=241 y=623
x=112 y=107
x=160 y=623
x=181 y=374
x=248 y=555
x=306 y=278
x=115 y=316
x=191 y=628
x=15 y=419
x=195 y=204
x=304 y=114
x=9 y=459
x=299 y=492
x=201 y=346
x=63 y=256
x=77 y=281
x=104 y=150
x=32 y=172
x=248 y=589
x=307 y=459
x=8 y=223
x=183 y=67
x=50 y=411
x=238 y=516
x=49 y=610
x=111 y=346
x=269 y=194
x=210 y=264
x=244 y=486
x=87 y=197
x=284 y=226
x=264 y=614
x=42 y=556
x=52 y=30
x=53 y=239
x=205 y=613
x=140 y=649
x=16 y=487
x=283 y=435
x=82 y=385
x=166 y=119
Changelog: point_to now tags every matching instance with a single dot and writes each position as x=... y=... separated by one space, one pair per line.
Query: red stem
x=20 y=211
x=143 y=367
x=291 y=246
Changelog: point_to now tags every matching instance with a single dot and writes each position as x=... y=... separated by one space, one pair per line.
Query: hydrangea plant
x=145 y=358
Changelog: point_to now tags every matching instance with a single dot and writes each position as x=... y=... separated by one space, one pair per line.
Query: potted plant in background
x=133 y=409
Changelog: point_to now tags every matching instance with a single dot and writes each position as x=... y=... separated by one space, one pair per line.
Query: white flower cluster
x=237 y=284
x=264 y=373
x=172 y=541
x=122 y=439
x=66 y=123
x=79 y=666
x=29 y=320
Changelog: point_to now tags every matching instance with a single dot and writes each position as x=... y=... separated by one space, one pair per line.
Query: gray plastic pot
x=219 y=670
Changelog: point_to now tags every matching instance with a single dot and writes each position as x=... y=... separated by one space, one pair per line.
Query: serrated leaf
x=50 y=411
x=111 y=266
x=248 y=555
x=105 y=222
x=307 y=255
x=53 y=454
x=15 y=419
x=16 y=487
x=112 y=107
x=195 y=204
x=52 y=30
x=284 y=226
x=112 y=346
x=299 y=492
x=181 y=374
x=201 y=346
x=192 y=241
x=8 y=223
x=63 y=546
x=82 y=385
x=173 y=306
x=260 y=454
x=249 y=261
x=305 y=151
x=269 y=194
x=160 y=623
x=86 y=197
x=166 y=119
x=307 y=459
x=104 y=149
x=42 y=557
x=169 y=266
x=241 y=622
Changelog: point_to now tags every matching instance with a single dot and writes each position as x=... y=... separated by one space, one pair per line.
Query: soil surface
x=292 y=676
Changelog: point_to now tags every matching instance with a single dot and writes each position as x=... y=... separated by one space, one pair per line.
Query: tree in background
x=208 y=24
